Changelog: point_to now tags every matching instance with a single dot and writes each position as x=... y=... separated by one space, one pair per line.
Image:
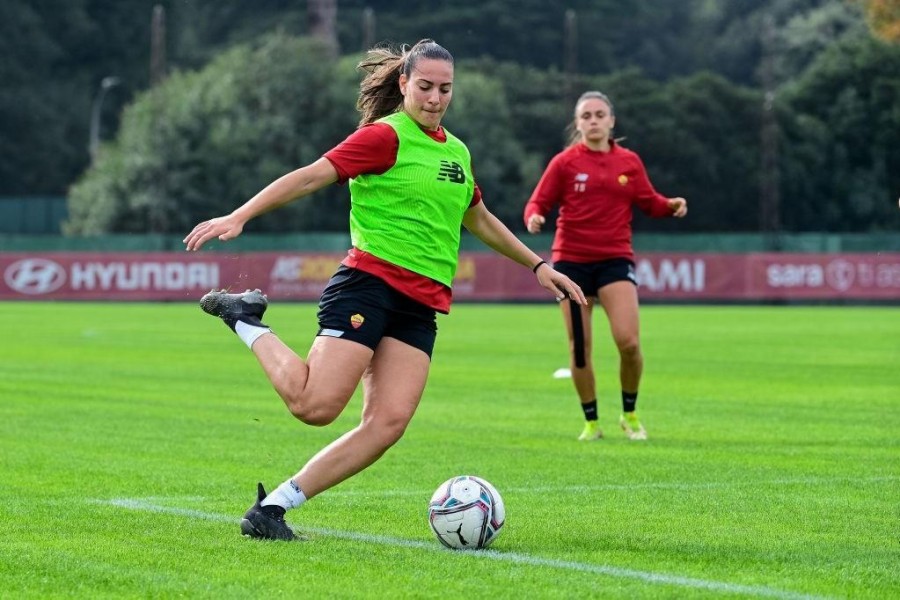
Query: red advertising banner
x=301 y=276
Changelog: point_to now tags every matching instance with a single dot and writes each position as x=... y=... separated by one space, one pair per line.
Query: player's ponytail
x=379 y=91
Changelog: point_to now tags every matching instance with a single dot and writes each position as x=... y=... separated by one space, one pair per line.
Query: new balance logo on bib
x=452 y=172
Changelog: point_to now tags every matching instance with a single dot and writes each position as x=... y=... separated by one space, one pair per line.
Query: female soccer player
x=595 y=182
x=411 y=188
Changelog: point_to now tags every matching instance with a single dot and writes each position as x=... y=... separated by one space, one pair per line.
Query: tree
x=883 y=17
x=805 y=35
x=204 y=142
x=842 y=146
x=42 y=115
x=645 y=55
x=699 y=138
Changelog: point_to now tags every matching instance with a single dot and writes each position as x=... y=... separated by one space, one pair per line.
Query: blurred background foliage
x=741 y=106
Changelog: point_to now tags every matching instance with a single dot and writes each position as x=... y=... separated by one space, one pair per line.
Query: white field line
x=511 y=557
x=569 y=489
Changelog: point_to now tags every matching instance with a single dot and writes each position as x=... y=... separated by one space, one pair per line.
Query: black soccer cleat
x=248 y=307
x=266 y=522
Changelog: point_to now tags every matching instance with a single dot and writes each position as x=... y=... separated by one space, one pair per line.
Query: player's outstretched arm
x=283 y=190
x=490 y=230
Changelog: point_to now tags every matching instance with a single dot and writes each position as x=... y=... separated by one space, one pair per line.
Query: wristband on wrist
x=535 y=267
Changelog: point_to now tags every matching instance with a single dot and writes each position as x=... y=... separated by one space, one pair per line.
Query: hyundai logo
x=34 y=276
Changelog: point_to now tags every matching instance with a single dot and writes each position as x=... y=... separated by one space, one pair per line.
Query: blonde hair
x=379 y=91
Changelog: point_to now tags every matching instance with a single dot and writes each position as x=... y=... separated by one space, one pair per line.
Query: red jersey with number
x=372 y=150
x=595 y=192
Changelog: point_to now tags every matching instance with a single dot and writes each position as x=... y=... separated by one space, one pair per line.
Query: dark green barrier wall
x=33 y=224
x=328 y=242
x=32 y=214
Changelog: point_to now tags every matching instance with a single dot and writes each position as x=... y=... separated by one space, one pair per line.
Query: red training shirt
x=595 y=192
x=372 y=150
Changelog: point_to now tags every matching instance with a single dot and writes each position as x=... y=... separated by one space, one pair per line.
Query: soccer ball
x=466 y=513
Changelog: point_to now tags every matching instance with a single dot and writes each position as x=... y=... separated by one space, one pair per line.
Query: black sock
x=629 y=401
x=590 y=410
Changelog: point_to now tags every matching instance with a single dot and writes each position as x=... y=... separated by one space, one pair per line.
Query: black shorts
x=590 y=277
x=360 y=307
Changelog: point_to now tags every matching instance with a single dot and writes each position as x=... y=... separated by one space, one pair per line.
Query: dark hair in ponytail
x=379 y=91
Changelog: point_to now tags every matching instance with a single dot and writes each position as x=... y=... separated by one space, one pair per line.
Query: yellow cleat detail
x=632 y=427
x=591 y=432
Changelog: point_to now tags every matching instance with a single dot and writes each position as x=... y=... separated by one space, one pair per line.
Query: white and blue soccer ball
x=466 y=513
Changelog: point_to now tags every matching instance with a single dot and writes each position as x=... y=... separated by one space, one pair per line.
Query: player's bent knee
x=389 y=431
x=315 y=417
x=315 y=411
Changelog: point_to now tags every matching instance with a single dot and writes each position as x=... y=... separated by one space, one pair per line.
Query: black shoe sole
x=231 y=308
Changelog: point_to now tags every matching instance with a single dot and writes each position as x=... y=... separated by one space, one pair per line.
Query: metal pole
x=158 y=45
x=94 y=140
x=323 y=23
x=570 y=56
x=769 y=197
x=368 y=29
x=157 y=219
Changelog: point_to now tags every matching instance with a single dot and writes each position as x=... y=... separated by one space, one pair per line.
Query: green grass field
x=132 y=437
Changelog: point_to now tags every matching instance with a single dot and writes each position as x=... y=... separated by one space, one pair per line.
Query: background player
x=595 y=183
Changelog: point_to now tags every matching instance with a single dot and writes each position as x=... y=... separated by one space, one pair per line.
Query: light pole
x=94 y=142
